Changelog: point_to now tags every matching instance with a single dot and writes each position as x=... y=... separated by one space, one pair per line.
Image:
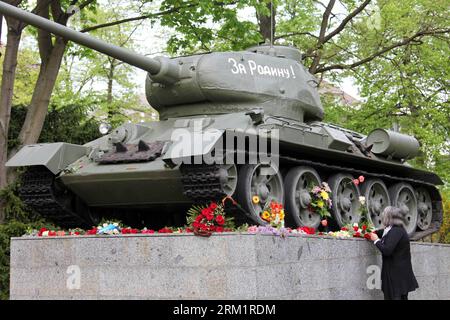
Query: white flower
x=45 y=234
x=115 y=224
x=105 y=225
x=362 y=200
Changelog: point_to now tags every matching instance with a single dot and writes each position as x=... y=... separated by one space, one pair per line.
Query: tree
x=14 y=35
x=51 y=51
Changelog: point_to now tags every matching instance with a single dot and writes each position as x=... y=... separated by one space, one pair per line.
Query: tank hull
x=179 y=174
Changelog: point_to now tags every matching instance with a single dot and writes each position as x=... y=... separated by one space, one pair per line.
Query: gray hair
x=392 y=216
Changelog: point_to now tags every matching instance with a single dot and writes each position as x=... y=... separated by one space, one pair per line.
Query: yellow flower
x=320 y=204
x=266 y=215
x=282 y=215
x=255 y=199
x=324 y=195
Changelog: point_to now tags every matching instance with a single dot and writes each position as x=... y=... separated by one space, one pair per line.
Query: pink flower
x=356 y=182
x=361 y=179
x=252 y=229
x=316 y=189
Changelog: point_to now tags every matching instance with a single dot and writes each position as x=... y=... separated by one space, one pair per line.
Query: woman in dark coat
x=397 y=276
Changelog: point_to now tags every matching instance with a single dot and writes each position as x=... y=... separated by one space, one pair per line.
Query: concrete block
x=224 y=266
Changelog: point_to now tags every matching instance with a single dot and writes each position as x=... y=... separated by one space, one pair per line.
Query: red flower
x=148 y=231
x=307 y=230
x=355 y=228
x=212 y=228
x=91 y=232
x=364 y=227
x=134 y=231
x=203 y=227
x=165 y=230
x=189 y=230
x=213 y=206
x=344 y=229
x=51 y=233
x=219 y=229
x=210 y=216
x=220 y=220
x=367 y=236
x=361 y=179
x=41 y=231
x=207 y=211
x=356 y=182
x=357 y=235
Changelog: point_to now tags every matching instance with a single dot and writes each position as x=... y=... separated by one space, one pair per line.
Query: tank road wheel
x=298 y=184
x=377 y=198
x=403 y=197
x=228 y=178
x=425 y=208
x=261 y=181
x=345 y=198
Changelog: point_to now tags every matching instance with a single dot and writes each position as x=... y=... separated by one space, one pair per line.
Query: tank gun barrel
x=153 y=66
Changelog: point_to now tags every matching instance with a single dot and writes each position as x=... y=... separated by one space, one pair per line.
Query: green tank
x=240 y=124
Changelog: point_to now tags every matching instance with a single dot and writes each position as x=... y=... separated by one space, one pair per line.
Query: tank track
x=201 y=182
x=37 y=192
x=437 y=216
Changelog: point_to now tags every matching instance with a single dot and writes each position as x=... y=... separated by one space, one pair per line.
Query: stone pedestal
x=224 y=266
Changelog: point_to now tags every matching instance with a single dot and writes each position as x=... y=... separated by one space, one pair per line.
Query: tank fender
x=54 y=156
x=186 y=143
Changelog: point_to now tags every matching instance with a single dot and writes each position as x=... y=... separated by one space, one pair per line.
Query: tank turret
x=267 y=77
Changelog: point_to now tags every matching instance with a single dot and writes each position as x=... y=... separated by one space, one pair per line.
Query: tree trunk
x=6 y=96
x=37 y=111
x=109 y=97
x=266 y=29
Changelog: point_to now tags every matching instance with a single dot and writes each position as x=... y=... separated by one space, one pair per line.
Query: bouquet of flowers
x=203 y=220
x=274 y=214
x=320 y=200
x=362 y=230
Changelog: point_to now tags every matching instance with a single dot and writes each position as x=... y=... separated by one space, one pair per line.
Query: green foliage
x=13 y=207
x=70 y=124
x=26 y=74
x=208 y=26
x=12 y=228
x=444 y=233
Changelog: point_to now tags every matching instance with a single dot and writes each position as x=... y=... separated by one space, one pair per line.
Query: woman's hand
x=373 y=236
